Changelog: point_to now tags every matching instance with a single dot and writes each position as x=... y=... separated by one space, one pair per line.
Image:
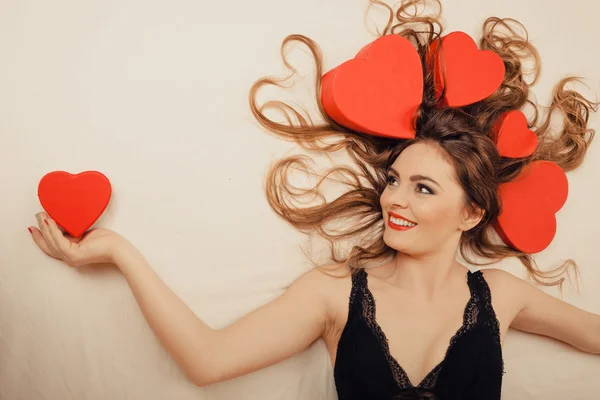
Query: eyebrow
x=415 y=178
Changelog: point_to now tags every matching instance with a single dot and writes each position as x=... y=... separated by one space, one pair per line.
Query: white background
x=155 y=96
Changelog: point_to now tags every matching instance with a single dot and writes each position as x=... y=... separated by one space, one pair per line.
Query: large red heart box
x=378 y=91
x=74 y=201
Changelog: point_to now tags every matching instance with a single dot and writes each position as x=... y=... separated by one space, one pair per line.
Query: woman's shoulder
x=507 y=292
x=501 y=279
x=502 y=283
x=327 y=279
x=334 y=282
x=331 y=277
x=335 y=270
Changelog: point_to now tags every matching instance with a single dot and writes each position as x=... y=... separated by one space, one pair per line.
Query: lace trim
x=492 y=322
x=357 y=284
x=470 y=317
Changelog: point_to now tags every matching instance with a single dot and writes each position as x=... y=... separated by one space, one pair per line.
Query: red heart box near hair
x=74 y=201
x=378 y=91
x=512 y=136
x=530 y=203
x=471 y=75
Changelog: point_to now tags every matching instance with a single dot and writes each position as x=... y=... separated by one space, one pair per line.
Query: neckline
x=393 y=362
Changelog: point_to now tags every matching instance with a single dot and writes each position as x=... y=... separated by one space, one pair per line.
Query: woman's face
x=422 y=188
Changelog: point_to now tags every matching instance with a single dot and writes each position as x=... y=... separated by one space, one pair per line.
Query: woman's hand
x=95 y=246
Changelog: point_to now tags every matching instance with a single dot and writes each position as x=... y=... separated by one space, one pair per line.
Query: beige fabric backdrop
x=154 y=95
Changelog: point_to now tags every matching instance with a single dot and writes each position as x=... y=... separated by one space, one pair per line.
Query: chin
x=394 y=243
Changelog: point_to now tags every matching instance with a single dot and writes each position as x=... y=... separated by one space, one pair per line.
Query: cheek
x=386 y=200
x=436 y=213
x=383 y=199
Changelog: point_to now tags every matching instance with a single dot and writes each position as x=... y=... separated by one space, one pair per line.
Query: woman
x=438 y=329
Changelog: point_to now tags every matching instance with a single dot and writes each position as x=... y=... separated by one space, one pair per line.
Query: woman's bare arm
x=543 y=314
x=267 y=335
x=272 y=333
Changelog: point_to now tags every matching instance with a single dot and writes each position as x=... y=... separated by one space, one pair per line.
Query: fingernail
x=29 y=229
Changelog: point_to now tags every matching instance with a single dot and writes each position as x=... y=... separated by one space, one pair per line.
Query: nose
x=399 y=197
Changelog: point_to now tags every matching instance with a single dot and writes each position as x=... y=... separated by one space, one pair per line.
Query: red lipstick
x=399 y=227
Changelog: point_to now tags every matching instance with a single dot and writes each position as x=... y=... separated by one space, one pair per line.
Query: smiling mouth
x=399 y=224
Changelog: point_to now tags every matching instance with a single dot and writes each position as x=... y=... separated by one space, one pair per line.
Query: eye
x=391 y=179
x=420 y=186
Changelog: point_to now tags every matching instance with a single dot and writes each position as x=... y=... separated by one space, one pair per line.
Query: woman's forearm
x=184 y=335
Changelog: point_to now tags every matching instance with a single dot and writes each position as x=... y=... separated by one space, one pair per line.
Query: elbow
x=203 y=367
x=203 y=378
x=200 y=381
x=204 y=373
x=196 y=378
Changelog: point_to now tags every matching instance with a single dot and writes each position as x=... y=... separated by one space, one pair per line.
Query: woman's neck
x=425 y=276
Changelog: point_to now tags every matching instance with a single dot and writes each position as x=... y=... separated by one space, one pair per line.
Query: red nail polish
x=46 y=221
x=29 y=229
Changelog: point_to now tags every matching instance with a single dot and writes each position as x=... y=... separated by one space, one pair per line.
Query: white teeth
x=401 y=222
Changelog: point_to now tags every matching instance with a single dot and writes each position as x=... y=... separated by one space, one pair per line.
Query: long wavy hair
x=463 y=133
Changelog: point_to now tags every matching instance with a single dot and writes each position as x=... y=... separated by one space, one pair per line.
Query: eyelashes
x=419 y=185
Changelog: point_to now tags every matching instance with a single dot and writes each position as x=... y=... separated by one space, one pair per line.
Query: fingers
x=38 y=238
x=50 y=238
x=67 y=245
x=63 y=245
x=45 y=229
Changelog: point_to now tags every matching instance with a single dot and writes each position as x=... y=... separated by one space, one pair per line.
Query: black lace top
x=472 y=368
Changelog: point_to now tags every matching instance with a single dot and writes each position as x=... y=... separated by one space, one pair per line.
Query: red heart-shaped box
x=471 y=74
x=378 y=91
x=74 y=202
x=529 y=204
x=512 y=136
